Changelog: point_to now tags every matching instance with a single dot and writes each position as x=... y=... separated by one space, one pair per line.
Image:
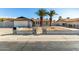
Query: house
x=68 y=22
x=22 y=22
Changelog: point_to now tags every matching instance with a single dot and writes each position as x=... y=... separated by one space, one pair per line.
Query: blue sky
x=30 y=12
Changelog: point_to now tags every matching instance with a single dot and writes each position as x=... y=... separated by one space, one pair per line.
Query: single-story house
x=68 y=22
x=22 y=22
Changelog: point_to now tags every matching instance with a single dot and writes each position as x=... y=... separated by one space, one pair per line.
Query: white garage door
x=20 y=23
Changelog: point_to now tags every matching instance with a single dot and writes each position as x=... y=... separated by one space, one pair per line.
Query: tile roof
x=22 y=18
x=68 y=20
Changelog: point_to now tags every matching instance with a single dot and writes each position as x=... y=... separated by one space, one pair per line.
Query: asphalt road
x=40 y=46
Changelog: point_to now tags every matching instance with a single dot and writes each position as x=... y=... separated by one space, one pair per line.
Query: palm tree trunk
x=41 y=21
x=50 y=20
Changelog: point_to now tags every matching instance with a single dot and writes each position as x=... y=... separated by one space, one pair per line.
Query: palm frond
x=52 y=13
x=41 y=12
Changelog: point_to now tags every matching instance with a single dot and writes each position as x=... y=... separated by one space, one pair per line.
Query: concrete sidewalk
x=39 y=38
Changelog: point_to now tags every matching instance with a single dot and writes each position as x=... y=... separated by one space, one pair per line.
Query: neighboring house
x=46 y=22
x=68 y=22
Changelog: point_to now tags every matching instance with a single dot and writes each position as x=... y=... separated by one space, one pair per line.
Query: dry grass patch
x=55 y=28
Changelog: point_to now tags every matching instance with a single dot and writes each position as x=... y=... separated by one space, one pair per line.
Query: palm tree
x=51 y=13
x=41 y=13
x=60 y=18
x=68 y=17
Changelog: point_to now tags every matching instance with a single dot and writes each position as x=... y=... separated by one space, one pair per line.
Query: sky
x=31 y=12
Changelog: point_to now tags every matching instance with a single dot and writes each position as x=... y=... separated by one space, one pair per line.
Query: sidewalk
x=33 y=38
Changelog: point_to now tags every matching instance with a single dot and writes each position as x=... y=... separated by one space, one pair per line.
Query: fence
x=6 y=24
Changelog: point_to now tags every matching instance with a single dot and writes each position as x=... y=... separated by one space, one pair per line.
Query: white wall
x=74 y=23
